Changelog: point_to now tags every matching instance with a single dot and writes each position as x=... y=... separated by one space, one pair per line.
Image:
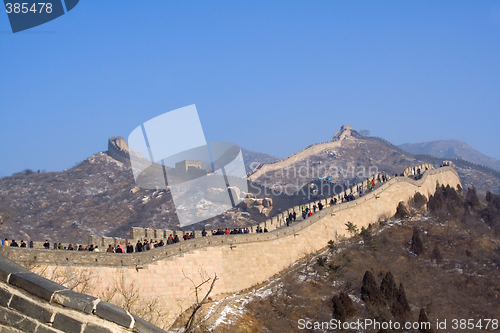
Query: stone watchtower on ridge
x=186 y=164
x=345 y=131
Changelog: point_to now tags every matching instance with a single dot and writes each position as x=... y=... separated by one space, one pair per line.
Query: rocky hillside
x=420 y=265
x=452 y=149
x=96 y=197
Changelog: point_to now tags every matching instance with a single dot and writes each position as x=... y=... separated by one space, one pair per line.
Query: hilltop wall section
x=344 y=133
x=282 y=164
x=122 y=155
x=240 y=261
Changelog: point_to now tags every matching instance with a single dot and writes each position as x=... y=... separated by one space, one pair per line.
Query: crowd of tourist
x=13 y=243
x=146 y=245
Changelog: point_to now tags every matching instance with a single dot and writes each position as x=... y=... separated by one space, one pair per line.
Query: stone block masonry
x=32 y=304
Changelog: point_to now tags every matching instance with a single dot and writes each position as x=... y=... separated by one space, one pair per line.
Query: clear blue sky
x=271 y=76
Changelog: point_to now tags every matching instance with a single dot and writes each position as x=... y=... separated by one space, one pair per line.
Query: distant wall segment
x=344 y=132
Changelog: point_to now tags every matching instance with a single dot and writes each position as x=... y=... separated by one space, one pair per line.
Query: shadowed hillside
x=97 y=197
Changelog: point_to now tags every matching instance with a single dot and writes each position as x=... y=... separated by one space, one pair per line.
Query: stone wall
x=413 y=171
x=240 y=261
x=282 y=164
x=30 y=303
x=123 y=156
x=344 y=132
x=140 y=234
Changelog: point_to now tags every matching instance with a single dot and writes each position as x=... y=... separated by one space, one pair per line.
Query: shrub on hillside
x=402 y=212
x=418 y=201
x=471 y=198
x=321 y=261
x=28 y=172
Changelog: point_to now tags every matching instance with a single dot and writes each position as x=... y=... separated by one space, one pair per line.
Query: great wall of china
x=310 y=150
x=347 y=131
x=240 y=261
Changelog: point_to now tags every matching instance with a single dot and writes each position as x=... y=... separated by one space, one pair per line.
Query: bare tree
x=4 y=217
x=364 y=132
x=197 y=287
x=83 y=280
x=122 y=293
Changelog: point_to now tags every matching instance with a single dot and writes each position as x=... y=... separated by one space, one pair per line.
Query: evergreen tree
x=436 y=254
x=471 y=198
x=388 y=288
x=402 y=299
x=417 y=246
x=436 y=201
x=352 y=228
x=418 y=200
x=332 y=247
x=367 y=236
x=422 y=318
x=370 y=293
x=401 y=212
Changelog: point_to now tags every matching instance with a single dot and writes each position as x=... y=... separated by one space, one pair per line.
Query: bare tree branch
x=205 y=279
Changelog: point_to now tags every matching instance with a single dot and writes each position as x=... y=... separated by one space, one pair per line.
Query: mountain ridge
x=451 y=148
